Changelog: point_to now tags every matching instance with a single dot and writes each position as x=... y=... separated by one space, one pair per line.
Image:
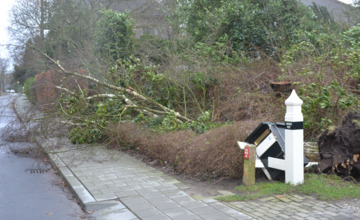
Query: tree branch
x=116 y=88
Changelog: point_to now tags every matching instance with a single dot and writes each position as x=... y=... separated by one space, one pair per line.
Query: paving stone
x=157 y=217
x=283 y=198
x=284 y=216
x=167 y=205
x=144 y=213
x=153 y=195
x=298 y=197
x=258 y=214
x=175 y=194
x=218 y=205
x=176 y=212
x=249 y=210
x=140 y=207
x=105 y=197
x=121 y=214
x=166 y=187
x=181 y=186
x=318 y=212
x=235 y=214
x=303 y=215
x=204 y=210
x=187 y=217
x=160 y=199
x=319 y=208
x=330 y=213
x=214 y=216
x=209 y=200
x=193 y=204
x=183 y=200
x=274 y=212
x=267 y=199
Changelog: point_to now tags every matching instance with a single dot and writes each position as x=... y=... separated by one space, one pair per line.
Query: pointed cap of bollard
x=293 y=100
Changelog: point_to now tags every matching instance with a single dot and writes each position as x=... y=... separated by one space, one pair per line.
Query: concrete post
x=249 y=164
x=294 y=141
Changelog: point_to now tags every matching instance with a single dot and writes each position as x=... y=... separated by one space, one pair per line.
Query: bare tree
x=29 y=19
x=3 y=67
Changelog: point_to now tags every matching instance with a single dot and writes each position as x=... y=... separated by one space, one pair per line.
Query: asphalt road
x=26 y=195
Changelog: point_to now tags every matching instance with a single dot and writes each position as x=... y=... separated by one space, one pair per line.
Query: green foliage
x=266 y=26
x=170 y=123
x=144 y=78
x=99 y=113
x=352 y=36
x=29 y=89
x=114 y=35
x=323 y=104
x=22 y=73
x=87 y=134
x=153 y=48
x=327 y=72
x=202 y=124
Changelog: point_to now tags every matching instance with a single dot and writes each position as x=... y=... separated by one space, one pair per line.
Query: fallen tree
x=339 y=148
x=162 y=110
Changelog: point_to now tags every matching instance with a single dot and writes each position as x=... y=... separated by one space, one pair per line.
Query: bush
x=213 y=154
x=29 y=89
x=326 y=71
x=252 y=26
x=115 y=36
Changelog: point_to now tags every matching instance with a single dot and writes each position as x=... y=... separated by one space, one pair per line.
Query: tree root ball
x=339 y=148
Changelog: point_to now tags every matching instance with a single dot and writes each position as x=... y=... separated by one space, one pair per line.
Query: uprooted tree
x=339 y=148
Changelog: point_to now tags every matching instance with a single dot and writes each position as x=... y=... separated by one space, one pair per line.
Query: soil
x=339 y=148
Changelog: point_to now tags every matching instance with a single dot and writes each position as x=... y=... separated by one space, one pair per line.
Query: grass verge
x=324 y=187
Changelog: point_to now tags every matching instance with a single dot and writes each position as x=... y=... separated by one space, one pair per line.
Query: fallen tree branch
x=127 y=101
x=116 y=88
x=65 y=90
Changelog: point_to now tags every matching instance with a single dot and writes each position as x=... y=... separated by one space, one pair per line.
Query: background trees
x=214 y=66
x=3 y=69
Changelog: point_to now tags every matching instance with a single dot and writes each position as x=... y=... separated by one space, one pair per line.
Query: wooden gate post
x=249 y=164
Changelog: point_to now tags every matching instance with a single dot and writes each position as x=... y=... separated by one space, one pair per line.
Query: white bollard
x=294 y=140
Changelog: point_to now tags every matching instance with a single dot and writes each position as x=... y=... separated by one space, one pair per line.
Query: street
x=29 y=187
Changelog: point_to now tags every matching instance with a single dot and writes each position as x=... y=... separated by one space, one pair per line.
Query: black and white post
x=294 y=140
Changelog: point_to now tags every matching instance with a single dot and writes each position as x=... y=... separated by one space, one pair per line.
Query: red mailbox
x=246 y=153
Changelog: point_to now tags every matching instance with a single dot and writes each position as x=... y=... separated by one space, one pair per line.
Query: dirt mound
x=339 y=148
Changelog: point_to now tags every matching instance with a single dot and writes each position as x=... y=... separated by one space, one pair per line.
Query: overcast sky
x=5 y=6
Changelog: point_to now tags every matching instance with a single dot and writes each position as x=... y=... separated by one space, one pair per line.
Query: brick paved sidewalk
x=110 y=176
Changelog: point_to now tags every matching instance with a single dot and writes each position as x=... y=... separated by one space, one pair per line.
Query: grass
x=324 y=187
